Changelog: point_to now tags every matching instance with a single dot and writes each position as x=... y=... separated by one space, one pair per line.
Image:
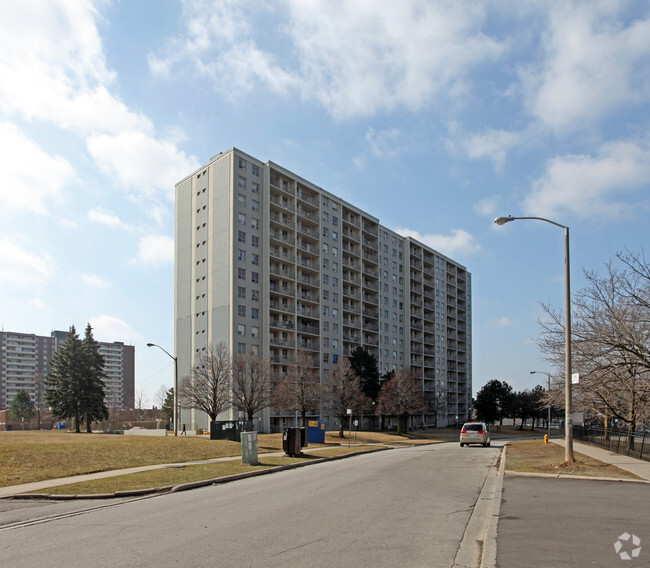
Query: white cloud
x=595 y=64
x=110 y=328
x=384 y=143
x=587 y=186
x=488 y=207
x=95 y=281
x=21 y=268
x=59 y=75
x=355 y=58
x=492 y=144
x=104 y=217
x=459 y=242
x=501 y=322
x=38 y=304
x=155 y=249
x=32 y=179
x=140 y=161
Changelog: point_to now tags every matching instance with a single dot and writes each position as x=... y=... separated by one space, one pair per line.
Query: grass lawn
x=537 y=457
x=187 y=474
x=35 y=456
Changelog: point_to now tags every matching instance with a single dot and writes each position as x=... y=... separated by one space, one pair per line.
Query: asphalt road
x=548 y=523
x=404 y=507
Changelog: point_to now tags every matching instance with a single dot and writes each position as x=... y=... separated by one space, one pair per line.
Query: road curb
x=478 y=545
x=191 y=485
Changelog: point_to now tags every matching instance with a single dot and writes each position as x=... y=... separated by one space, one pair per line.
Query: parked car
x=475 y=433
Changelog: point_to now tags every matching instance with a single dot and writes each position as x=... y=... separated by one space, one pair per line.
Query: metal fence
x=635 y=444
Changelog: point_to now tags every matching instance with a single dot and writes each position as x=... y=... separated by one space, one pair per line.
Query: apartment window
x=335 y=297
x=242 y=164
x=335 y=220
x=255 y=331
x=241 y=329
x=326 y=357
x=255 y=187
x=335 y=312
x=326 y=295
x=241 y=273
x=326 y=263
x=326 y=279
x=325 y=201
x=255 y=205
x=326 y=311
x=241 y=347
x=242 y=182
x=255 y=169
x=255 y=295
x=326 y=217
x=255 y=277
x=241 y=236
x=241 y=311
x=326 y=248
x=255 y=241
x=255 y=259
x=241 y=292
x=255 y=313
x=335 y=266
x=326 y=326
x=335 y=328
x=335 y=358
x=241 y=255
x=326 y=341
x=335 y=251
x=335 y=282
x=241 y=199
x=326 y=232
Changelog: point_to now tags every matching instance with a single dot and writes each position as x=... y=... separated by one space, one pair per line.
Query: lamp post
x=176 y=417
x=548 y=426
x=568 y=421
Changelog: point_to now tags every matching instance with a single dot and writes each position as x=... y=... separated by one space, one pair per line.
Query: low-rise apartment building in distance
x=268 y=262
x=25 y=360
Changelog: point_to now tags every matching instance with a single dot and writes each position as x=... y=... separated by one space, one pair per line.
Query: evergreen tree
x=65 y=380
x=93 y=405
x=75 y=386
x=168 y=406
x=365 y=366
x=21 y=408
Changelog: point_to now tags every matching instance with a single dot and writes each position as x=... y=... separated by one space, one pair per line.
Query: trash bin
x=291 y=438
x=316 y=432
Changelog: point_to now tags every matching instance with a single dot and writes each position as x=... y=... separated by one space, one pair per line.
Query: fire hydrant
x=546 y=438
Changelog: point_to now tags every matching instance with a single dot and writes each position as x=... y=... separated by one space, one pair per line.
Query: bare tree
x=343 y=390
x=401 y=396
x=208 y=388
x=611 y=341
x=251 y=383
x=161 y=396
x=436 y=403
x=300 y=390
x=140 y=403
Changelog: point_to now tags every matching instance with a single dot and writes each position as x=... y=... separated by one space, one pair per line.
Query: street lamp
x=549 y=400
x=568 y=420
x=175 y=384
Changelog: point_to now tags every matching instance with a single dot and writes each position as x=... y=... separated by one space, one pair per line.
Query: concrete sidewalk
x=633 y=465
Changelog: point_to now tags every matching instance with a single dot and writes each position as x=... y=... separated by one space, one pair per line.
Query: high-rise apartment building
x=268 y=262
x=25 y=360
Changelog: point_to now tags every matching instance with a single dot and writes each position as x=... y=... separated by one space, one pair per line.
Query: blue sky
x=436 y=117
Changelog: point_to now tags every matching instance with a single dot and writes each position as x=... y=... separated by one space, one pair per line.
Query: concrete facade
x=266 y=261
